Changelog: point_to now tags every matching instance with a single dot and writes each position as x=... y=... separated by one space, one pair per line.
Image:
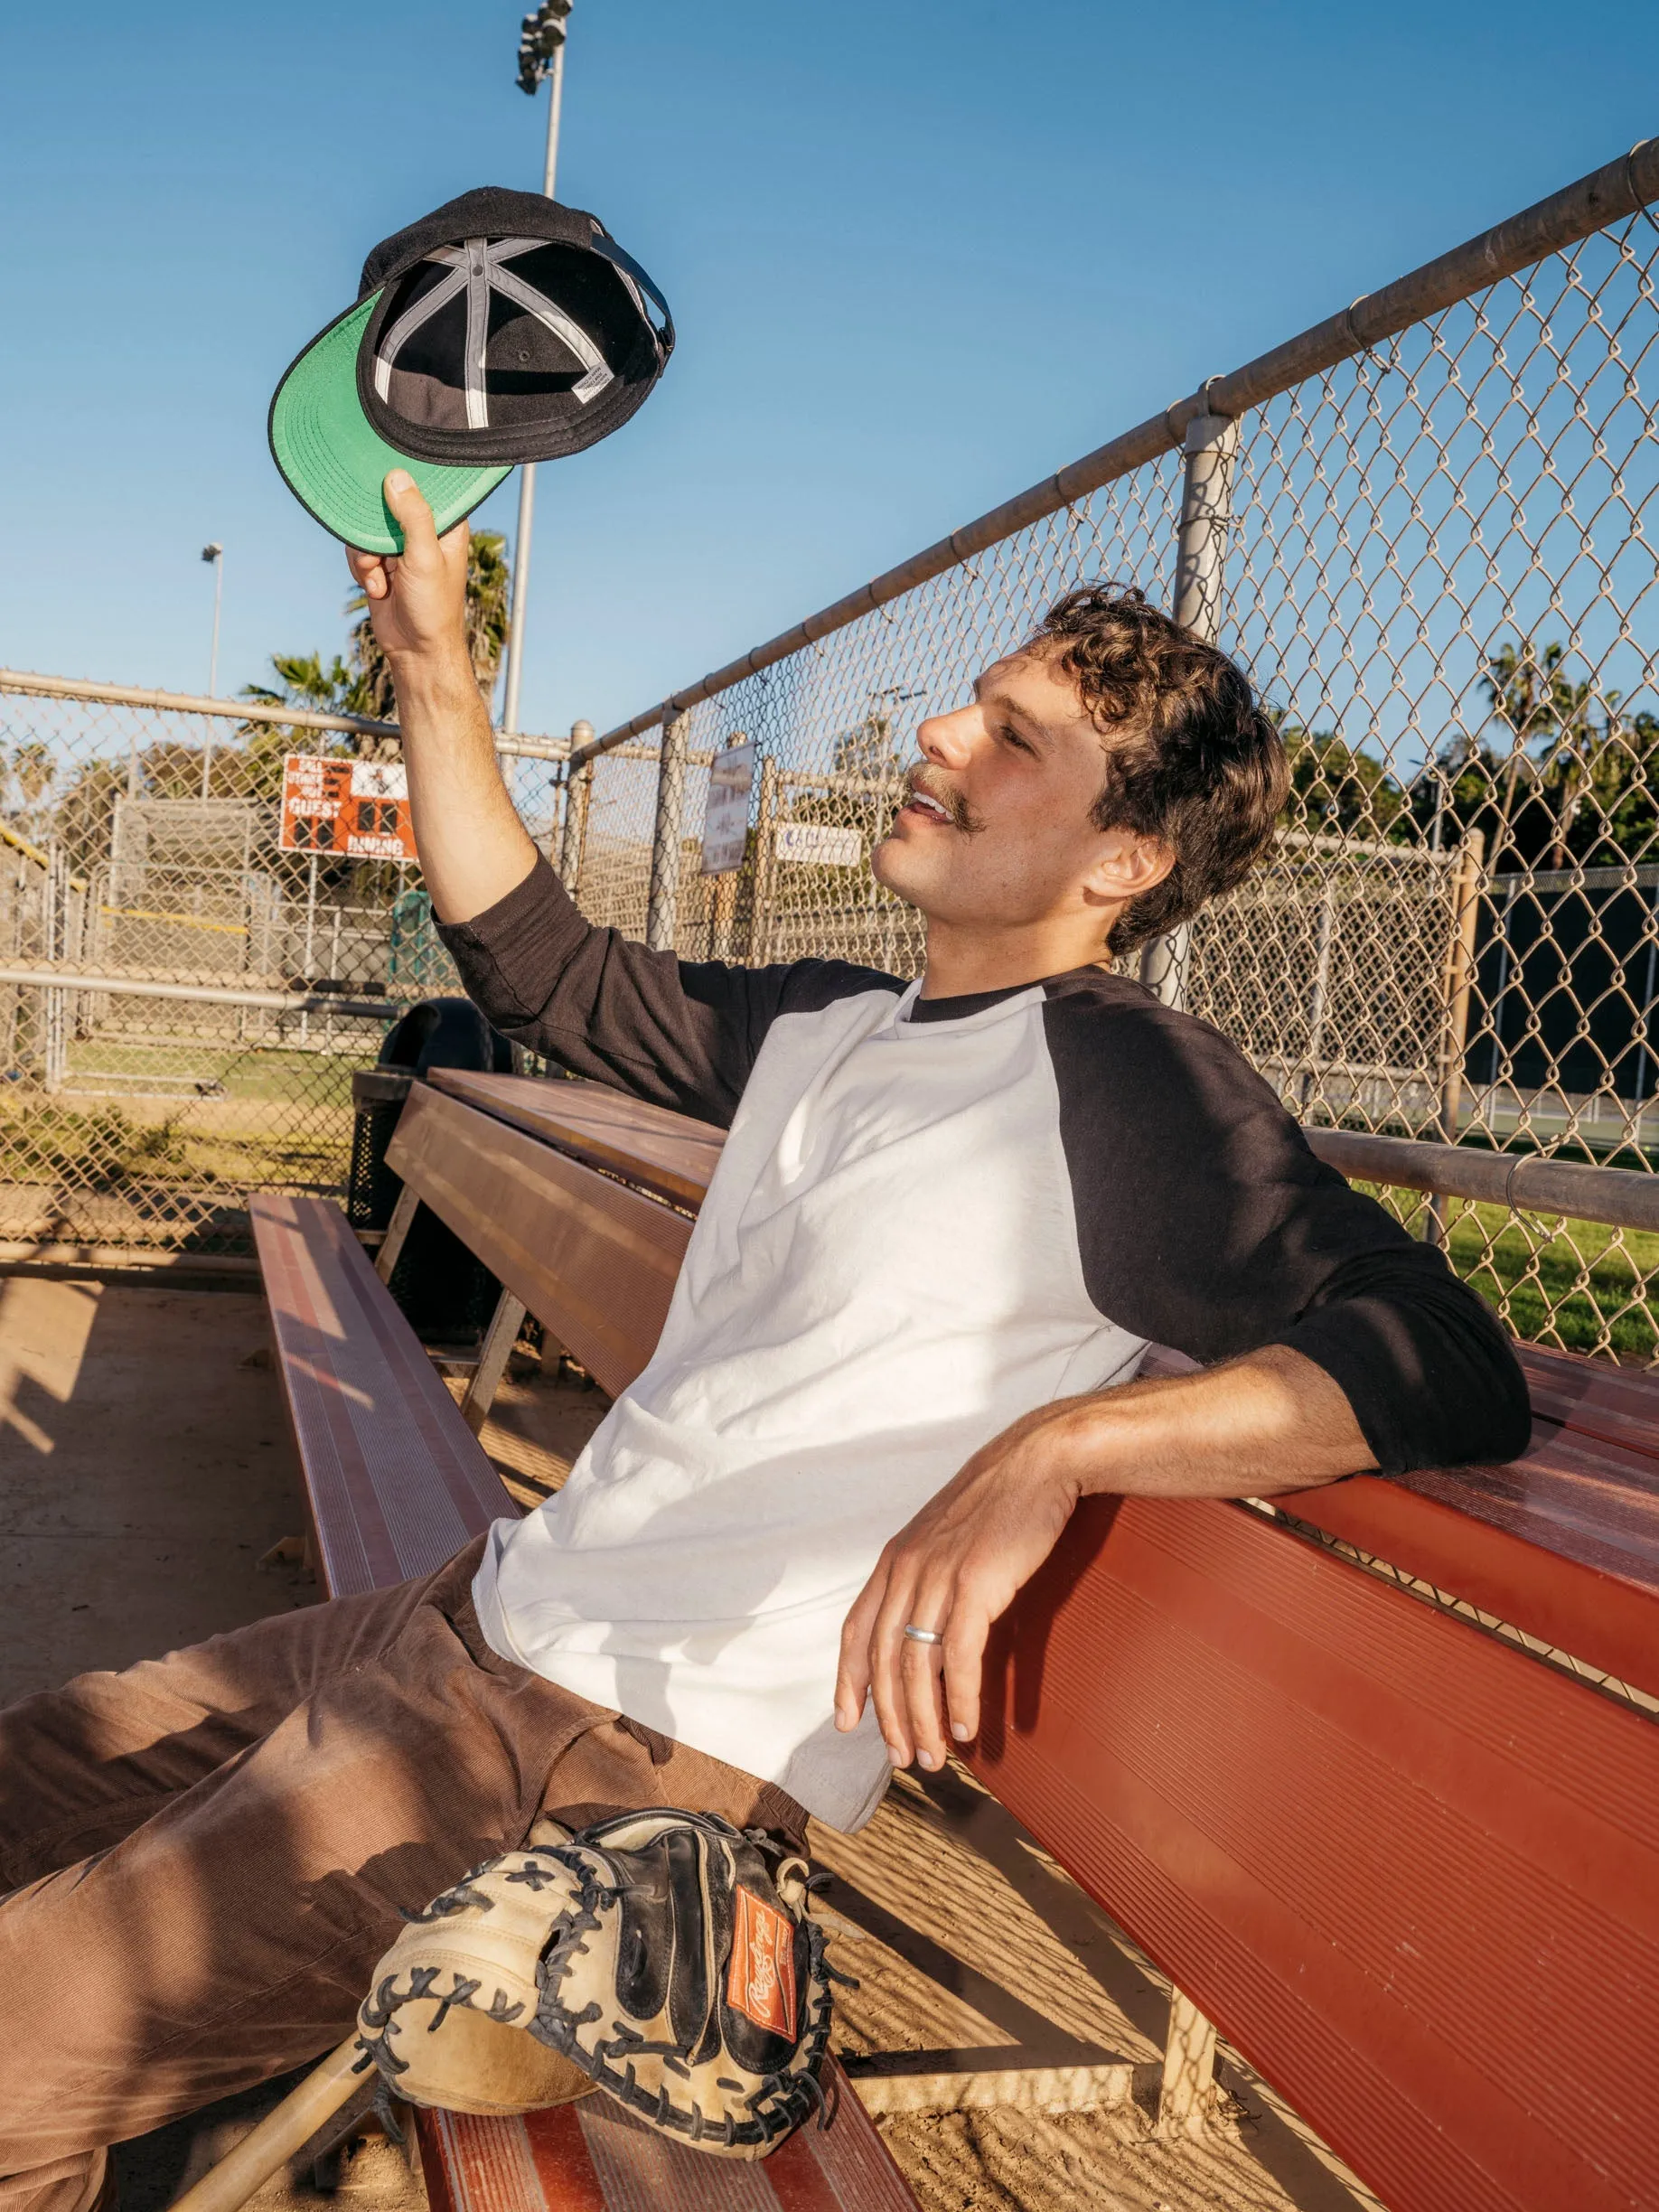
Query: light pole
x=541 y=54
x=216 y=554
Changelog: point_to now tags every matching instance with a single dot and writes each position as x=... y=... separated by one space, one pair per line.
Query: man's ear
x=1127 y=865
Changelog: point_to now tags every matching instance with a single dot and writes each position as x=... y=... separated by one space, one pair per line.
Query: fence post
x=662 y=909
x=1459 y=978
x=1210 y=445
x=723 y=913
x=766 y=863
x=1186 y=2093
x=1321 y=993
x=55 y=894
x=573 y=845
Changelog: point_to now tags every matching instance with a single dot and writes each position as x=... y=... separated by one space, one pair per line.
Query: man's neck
x=962 y=963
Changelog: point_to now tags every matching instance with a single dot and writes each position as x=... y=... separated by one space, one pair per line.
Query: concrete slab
x=144 y=1472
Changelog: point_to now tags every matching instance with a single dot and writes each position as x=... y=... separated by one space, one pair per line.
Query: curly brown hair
x=1191 y=759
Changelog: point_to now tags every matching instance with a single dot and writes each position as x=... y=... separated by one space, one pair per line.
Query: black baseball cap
x=500 y=328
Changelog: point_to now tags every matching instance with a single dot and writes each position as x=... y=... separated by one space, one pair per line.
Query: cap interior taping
x=477 y=332
x=476 y=269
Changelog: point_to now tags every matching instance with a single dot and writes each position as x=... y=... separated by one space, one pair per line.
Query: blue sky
x=920 y=255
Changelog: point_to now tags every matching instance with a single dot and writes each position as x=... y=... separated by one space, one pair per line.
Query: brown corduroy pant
x=208 y=1852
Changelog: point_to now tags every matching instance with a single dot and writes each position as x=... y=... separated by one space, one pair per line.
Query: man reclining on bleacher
x=948 y=1218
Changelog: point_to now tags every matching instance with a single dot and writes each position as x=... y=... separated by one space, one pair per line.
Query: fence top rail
x=25 y=683
x=182 y=702
x=1523 y=1182
x=1575 y=212
x=67 y=979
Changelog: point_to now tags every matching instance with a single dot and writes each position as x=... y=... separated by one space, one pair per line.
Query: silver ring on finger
x=922 y=1636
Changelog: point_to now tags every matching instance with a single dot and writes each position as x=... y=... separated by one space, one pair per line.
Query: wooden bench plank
x=1591 y=1397
x=665 y=1152
x=1408 y=1871
x=396 y=1480
x=592 y=2157
x=1583 y=1609
x=595 y=1262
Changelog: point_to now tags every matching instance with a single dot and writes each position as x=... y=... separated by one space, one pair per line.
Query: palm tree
x=488 y=595
x=1577 y=754
x=34 y=766
x=1580 y=754
x=1522 y=686
x=362 y=684
x=306 y=679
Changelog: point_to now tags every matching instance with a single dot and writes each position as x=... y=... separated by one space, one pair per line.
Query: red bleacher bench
x=1408 y=1867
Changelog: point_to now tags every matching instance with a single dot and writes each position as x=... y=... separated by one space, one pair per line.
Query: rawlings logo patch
x=762 y=1983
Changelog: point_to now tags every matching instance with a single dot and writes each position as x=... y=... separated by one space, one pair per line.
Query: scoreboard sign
x=356 y=810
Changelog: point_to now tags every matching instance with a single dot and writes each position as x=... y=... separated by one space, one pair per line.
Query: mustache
x=919 y=779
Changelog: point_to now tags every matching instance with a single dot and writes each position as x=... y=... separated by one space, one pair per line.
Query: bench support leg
x=1187 y=2090
x=499 y=1339
x=396 y=1229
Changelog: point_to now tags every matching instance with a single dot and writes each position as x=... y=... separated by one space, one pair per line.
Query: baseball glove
x=664 y=1956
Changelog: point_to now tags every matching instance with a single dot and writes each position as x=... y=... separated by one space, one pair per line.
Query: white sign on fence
x=819 y=845
x=726 y=824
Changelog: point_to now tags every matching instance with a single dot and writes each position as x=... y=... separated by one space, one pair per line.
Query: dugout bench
x=1407 y=1860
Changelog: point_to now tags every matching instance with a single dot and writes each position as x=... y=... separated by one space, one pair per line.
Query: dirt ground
x=144 y=1472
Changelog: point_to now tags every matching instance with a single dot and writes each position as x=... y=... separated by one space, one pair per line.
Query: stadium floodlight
x=539 y=40
x=541 y=59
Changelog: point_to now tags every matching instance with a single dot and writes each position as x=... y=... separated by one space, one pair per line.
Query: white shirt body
x=884 y=1274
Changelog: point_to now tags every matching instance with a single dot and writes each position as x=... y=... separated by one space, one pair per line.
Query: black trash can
x=448 y=1294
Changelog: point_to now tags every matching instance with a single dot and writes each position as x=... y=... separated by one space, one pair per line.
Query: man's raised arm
x=474 y=849
x=682 y=1034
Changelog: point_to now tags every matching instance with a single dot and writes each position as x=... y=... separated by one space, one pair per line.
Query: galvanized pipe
x=27 y=685
x=1562 y=219
x=662 y=910
x=205 y=994
x=1211 y=443
x=578 y=793
x=527 y=473
x=1617 y=1197
x=180 y=702
x=532 y=748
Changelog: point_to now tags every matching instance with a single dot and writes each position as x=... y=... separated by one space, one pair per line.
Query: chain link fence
x=1425 y=528
x=182 y=1002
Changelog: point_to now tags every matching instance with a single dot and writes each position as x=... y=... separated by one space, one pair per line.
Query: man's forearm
x=1271 y=1420
x=474 y=849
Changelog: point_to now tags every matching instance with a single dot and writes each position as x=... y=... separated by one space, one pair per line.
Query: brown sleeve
x=682 y=1033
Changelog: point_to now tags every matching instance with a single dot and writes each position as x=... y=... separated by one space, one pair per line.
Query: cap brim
x=335 y=461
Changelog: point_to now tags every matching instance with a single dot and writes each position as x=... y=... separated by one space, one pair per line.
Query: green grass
x=96 y=1150
x=207 y=1115
x=1555 y=1282
x=246 y=1071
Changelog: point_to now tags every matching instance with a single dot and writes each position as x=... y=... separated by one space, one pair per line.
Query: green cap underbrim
x=333 y=459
